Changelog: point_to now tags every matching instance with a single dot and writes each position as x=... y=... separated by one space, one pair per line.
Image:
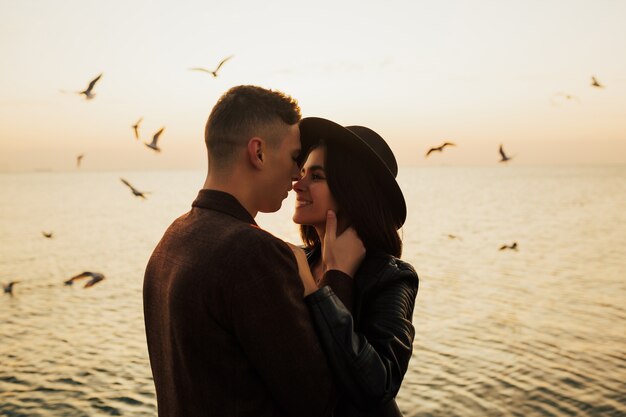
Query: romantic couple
x=241 y=323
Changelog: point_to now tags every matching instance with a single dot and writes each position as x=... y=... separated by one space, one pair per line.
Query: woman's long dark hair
x=360 y=200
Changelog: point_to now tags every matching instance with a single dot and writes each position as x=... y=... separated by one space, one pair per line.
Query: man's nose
x=296 y=174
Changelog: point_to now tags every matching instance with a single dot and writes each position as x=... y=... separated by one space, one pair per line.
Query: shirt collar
x=222 y=202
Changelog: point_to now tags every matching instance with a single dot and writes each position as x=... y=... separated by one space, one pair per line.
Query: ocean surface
x=537 y=331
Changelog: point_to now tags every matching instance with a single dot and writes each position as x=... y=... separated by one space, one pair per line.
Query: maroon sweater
x=227 y=328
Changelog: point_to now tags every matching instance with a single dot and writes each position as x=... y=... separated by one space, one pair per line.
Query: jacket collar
x=222 y=202
x=312 y=254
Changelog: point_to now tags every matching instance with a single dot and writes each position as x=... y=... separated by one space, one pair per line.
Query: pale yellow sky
x=478 y=73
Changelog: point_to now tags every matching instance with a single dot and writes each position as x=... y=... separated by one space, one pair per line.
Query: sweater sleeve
x=368 y=363
x=342 y=285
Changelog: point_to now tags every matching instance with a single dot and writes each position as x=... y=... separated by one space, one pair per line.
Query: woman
x=364 y=322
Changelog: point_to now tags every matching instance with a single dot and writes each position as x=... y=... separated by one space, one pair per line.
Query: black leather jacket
x=365 y=326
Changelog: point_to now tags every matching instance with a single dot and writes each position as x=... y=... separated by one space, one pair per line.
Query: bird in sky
x=504 y=156
x=48 y=235
x=155 y=138
x=439 y=148
x=135 y=191
x=214 y=72
x=95 y=278
x=88 y=92
x=136 y=127
x=595 y=83
x=79 y=159
x=8 y=288
x=561 y=96
x=451 y=236
x=513 y=246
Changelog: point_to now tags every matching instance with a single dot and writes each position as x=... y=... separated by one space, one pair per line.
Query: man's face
x=282 y=169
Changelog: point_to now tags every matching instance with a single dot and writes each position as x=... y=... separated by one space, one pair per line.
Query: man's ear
x=256 y=149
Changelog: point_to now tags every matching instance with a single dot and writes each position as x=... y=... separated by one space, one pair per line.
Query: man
x=227 y=328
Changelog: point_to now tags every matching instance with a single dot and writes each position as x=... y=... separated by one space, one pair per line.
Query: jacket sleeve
x=369 y=363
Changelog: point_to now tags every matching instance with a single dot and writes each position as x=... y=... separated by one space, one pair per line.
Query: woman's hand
x=303 y=269
x=344 y=252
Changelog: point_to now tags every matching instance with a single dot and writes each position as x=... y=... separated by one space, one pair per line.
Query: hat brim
x=315 y=129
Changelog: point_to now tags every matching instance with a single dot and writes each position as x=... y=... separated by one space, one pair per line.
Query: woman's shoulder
x=386 y=274
x=397 y=269
x=387 y=268
x=403 y=266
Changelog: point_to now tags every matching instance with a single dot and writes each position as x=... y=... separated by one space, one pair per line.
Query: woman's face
x=313 y=197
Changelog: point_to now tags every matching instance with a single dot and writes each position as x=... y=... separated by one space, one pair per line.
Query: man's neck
x=235 y=187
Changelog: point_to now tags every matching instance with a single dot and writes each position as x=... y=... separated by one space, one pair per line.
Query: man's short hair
x=243 y=112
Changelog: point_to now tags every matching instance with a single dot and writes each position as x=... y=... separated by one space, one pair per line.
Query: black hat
x=369 y=146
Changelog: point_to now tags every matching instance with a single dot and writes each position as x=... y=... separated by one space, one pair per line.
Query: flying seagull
x=439 y=148
x=512 y=246
x=596 y=83
x=79 y=159
x=95 y=278
x=136 y=127
x=566 y=96
x=504 y=156
x=214 y=72
x=155 y=138
x=47 y=235
x=8 y=288
x=135 y=191
x=88 y=92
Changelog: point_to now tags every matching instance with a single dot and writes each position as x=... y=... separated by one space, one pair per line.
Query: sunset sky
x=478 y=73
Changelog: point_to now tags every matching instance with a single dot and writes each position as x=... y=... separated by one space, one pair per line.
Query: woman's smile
x=301 y=203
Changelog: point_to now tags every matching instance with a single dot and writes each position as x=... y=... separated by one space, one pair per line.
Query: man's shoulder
x=257 y=232
x=215 y=229
x=226 y=229
x=257 y=239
